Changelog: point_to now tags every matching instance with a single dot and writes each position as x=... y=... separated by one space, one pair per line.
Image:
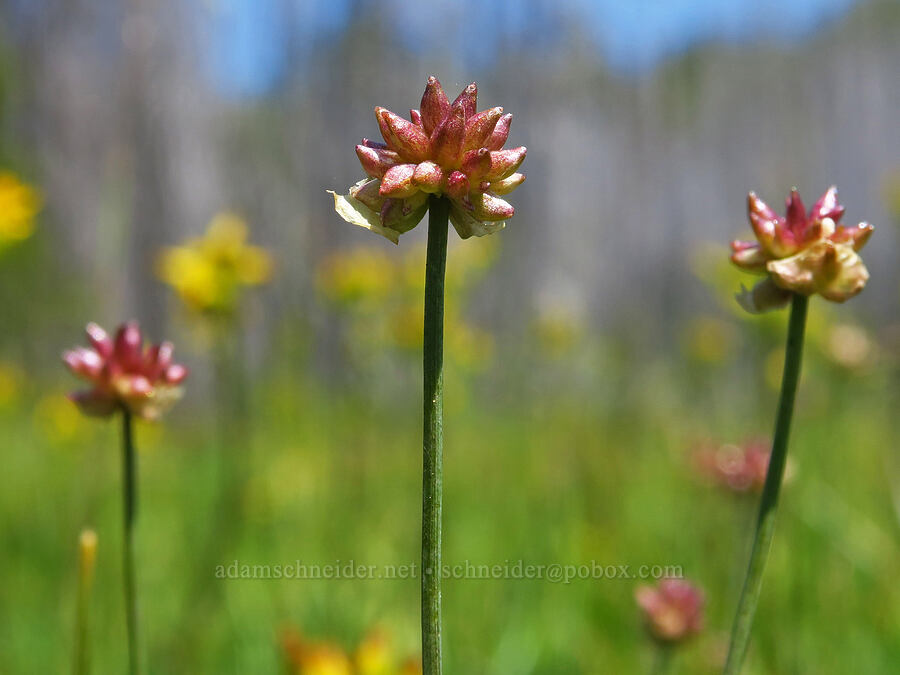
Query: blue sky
x=250 y=40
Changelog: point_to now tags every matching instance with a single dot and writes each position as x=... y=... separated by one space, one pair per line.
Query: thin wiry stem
x=129 y=499
x=765 y=524
x=433 y=436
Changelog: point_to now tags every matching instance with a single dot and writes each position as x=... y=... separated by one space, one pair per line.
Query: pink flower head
x=125 y=374
x=740 y=468
x=673 y=610
x=444 y=148
x=802 y=252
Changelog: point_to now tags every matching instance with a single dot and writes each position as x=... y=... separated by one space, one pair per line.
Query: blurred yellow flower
x=365 y=274
x=208 y=272
x=708 y=339
x=383 y=295
x=406 y=326
x=471 y=346
x=58 y=419
x=19 y=204
x=325 y=660
x=850 y=346
x=11 y=379
x=373 y=656
x=558 y=330
x=313 y=658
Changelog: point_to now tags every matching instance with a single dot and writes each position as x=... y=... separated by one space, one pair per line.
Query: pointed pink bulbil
x=125 y=373
x=673 y=610
x=802 y=252
x=446 y=149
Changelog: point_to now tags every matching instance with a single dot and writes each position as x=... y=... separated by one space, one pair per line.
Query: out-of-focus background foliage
x=592 y=345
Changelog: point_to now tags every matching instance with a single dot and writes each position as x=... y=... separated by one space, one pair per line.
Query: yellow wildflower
x=364 y=274
x=208 y=273
x=373 y=656
x=58 y=419
x=19 y=204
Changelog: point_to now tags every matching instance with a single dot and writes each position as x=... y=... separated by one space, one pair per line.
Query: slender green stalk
x=662 y=660
x=129 y=495
x=765 y=525
x=433 y=436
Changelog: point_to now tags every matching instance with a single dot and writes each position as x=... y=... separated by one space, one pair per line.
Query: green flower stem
x=433 y=435
x=663 y=659
x=129 y=494
x=765 y=525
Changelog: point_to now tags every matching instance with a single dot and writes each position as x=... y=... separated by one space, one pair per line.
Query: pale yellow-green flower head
x=801 y=252
x=209 y=272
x=19 y=205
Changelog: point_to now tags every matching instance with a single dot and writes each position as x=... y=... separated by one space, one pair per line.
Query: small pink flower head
x=802 y=252
x=446 y=149
x=739 y=468
x=124 y=373
x=673 y=610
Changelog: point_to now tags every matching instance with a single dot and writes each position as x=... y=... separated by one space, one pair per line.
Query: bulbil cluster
x=801 y=252
x=125 y=374
x=444 y=149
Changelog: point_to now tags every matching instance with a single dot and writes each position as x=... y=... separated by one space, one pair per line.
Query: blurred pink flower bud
x=446 y=149
x=801 y=252
x=125 y=373
x=673 y=610
x=740 y=468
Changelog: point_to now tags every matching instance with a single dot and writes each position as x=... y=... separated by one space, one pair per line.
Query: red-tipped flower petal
x=505 y=185
x=435 y=105
x=376 y=162
x=796 y=214
x=500 y=133
x=99 y=340
x=505 y=162
x=448 y=137
x=176 y=373
x=479 y=128
x=428 y=177
x=476 y=164
x=457 y=185
x=129 y=346
x=857 y=235
x=468 y=99
x=402 y=136
x=397 y=182
x=491 y=208
x=827 y=206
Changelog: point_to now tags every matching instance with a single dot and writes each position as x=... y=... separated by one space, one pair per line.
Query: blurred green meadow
x=567 y=446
